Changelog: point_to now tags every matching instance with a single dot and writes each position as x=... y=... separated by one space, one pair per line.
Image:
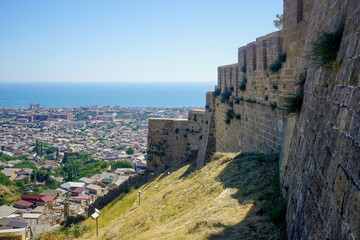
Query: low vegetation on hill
x=236 y=196
x=9 y=194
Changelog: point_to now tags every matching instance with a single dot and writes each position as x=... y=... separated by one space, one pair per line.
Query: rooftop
x=6 y=210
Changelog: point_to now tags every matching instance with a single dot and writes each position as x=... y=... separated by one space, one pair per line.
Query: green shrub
x=225 y=96
x=273 y=105
x=266 y=98
x=275 y=86
x=217 y=92
x=325 y=48
x=230 y=114
x=251 y=101
x=243 y=68
x=243 y=84
x=277 y=64
x=293 y=102
x=301 y=78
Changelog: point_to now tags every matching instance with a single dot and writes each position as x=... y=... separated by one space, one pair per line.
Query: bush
x=70 y=220
x=129 y=151
x=273 y=105
x=301 y=79
x=277 y=64
x=293 y=102
x=275 y=87
x=243 y=84
x=225 y=96
x=4 y=180
x=230 y=114
x=243 y=69
x=325 y=48
x=250 y=101
x=217 y=92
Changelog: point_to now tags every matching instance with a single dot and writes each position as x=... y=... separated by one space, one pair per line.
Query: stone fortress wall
x=319 y=148
x=173 y=142
x=322 y=164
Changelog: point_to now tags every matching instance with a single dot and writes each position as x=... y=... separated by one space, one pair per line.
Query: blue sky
x=127 y=40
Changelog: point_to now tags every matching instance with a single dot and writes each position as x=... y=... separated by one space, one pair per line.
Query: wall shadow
x=256 y=178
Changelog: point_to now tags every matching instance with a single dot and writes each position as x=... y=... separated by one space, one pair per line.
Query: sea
x=20 y=95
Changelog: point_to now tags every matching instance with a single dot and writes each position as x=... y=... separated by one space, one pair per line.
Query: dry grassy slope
x=223 y=200
x=10 y=193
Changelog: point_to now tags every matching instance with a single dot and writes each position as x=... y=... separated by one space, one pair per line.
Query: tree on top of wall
x=279 y=21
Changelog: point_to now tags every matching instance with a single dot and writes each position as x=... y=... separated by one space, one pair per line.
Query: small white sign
x=95 y=215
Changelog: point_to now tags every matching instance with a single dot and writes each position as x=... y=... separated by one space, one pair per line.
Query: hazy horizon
x=75 y=94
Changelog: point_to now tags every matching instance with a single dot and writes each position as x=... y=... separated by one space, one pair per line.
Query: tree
x=39 y=147
x=52 y=183
x=120 y=164
x=279 y=21
x=130 y=150
x=4 y=180
x=57 y=153
x=50 y=150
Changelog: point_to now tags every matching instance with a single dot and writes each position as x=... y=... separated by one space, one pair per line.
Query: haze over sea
x=20 y=95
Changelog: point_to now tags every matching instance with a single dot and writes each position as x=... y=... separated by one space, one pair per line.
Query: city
x=55 y=162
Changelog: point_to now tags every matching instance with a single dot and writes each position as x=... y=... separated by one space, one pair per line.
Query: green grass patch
x=277 y=64
x=243 y=68
x=230 y=114
x=325 y=48
x=225 y=96
x=242 y=86
x=293 y=102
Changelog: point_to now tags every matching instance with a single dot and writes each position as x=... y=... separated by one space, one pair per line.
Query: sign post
x=95 y=215
x=139 y=196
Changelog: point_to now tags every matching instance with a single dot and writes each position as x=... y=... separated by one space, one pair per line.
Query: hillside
x=233 y=197
x=9 y=194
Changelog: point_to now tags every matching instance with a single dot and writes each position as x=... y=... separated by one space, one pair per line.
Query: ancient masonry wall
x=319 y=148
x=174 y=142
x=256 y=98
x=322 y=170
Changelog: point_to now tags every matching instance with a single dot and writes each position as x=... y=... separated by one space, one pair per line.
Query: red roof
x=31 y=197
x=78 y=190
x=5 y=227
x=38 y=198
x=24 y=203
x=47 y=198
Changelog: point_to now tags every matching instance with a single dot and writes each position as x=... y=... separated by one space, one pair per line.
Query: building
x=69 y=186
x=93 y=189
x=10 y=173
x=22 y=204
x=78 y=191
x=86 y=180
x=6 y=211
x=39 y=200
